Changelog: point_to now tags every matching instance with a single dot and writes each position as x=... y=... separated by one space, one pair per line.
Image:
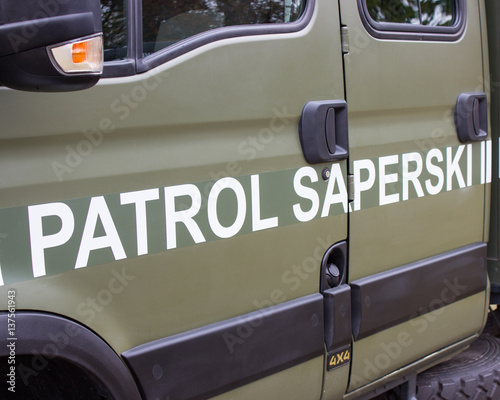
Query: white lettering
x=453 y=167
x=306 y=193
x=469 y=164
x=98 y=209
x=488 y=161
x=241 y=207
x=39 y=241
x=413 y=175
x=140 y=198
x=434 y=170
x=361 y=186
x=385 y=179
x=259 y=224
x=184 y=216
x=483 y=163
x=330 y=198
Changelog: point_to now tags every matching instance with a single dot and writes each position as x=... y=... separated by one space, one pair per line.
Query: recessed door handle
x=323 y=131
x=471 y=117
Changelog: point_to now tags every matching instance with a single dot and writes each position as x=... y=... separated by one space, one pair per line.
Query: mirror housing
x=29 y=28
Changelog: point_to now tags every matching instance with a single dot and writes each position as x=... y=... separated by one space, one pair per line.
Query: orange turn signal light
x=81 y=56
x=79 y=52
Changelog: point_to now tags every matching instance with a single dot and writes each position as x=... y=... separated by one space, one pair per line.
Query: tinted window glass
x=114 y=26
x=417 y=12
x=438 y=12
x=405 y=11
x=167 y=22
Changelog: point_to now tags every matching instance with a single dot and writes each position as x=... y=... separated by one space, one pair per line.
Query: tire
x=473 y=374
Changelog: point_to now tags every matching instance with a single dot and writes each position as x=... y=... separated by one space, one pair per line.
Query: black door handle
x=471 y=117
x=323 y=131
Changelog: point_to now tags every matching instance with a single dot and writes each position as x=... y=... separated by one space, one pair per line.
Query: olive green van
x=249 y=199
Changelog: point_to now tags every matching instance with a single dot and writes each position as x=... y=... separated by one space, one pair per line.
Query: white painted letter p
x=39 y=241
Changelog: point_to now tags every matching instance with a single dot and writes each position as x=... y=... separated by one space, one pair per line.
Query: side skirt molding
x=217 y=358
x=387 y=299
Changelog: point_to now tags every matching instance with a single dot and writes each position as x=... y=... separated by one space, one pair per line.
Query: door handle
x=323 y=131
x=471 y=117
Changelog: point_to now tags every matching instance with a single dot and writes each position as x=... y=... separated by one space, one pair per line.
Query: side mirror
x=50 y=45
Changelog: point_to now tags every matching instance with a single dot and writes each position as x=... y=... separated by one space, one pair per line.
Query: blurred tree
x=114 y=23
x=437 y=12
x=232 y=12
x=400 y=11
x=154 y=12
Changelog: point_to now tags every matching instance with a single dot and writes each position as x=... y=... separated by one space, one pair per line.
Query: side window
x=414 y=19
x=114 y=26
x=404 y=12
x=168 y=22
x=438 y=12
x=421 y=12
x=136 y=29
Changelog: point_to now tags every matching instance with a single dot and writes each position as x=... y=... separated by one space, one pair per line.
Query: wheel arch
x=45 y=338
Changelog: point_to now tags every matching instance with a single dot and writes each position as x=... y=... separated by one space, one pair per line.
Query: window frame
x=136 y=63
x=418 y=32
x=126 y=67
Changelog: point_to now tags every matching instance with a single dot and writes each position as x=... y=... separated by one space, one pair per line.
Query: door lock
x=333 y=275
x=333 y=266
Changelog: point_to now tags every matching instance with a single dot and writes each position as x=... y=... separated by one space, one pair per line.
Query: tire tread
x=476 y=376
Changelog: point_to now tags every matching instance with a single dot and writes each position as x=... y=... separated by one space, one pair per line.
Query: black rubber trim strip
x=402 y=31
x=387 y=299
x=184 y=46
x=48 y=336
x=114 y=69
x=217 y=358
x=337 y=317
